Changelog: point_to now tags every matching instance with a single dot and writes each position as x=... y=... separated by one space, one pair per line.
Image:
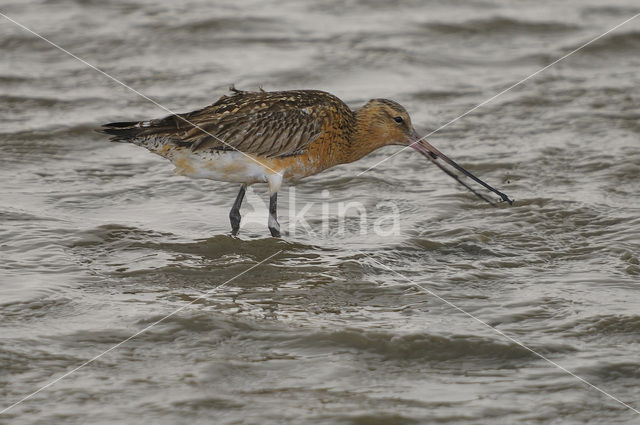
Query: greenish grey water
x=99 y=240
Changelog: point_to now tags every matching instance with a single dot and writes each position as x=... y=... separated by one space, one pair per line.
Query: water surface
x=99 y=240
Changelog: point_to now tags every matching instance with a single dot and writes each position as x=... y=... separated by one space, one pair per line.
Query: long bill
x=434 y=154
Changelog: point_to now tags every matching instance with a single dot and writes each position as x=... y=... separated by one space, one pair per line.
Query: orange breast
x=323 y=153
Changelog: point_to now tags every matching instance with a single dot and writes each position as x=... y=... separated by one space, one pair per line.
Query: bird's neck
x=363 y=139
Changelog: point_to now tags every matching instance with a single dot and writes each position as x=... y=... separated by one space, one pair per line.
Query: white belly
x=228 y=166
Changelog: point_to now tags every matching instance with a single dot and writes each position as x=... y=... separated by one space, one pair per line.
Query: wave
x=392 y=346
x=117 y=237
x=21 y=358
x=627 y=42
x=608 y=326
x=227 y=23
x=613 y=372
x=500 y=25
x=614 y=11
x=28 y=102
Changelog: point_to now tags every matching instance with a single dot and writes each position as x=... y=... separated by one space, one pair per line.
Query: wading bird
x=275 y=137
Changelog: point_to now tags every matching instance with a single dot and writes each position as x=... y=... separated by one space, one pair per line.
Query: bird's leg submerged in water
x=275 y=181
x=234 y=215
x=274 y=226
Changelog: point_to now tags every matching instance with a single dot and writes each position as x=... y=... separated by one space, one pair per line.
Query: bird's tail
x=154 y=135
x=124 y=132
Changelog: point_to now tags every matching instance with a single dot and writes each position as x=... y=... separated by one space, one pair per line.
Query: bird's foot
x=274 y=228
x=275 y=232
x=234 y=218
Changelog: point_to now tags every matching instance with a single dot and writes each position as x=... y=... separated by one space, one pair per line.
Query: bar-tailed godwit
x=276 y=137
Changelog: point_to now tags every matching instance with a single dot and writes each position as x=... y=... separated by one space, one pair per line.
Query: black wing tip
x=122 y=124
x=122 y=131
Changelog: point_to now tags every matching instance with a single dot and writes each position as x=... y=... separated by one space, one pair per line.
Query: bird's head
x=383 y=122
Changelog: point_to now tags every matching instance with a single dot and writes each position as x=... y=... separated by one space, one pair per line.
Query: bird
x=278 y=137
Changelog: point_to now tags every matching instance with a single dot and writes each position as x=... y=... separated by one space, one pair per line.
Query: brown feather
x=268 y=124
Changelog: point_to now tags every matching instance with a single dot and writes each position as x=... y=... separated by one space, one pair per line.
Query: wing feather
x=264 y=133
x=270 y=124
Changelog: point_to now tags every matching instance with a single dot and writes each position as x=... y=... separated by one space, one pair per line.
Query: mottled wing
x=269 y=124
x=272 y=132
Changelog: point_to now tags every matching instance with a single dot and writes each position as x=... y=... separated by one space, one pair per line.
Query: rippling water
x=100 y=240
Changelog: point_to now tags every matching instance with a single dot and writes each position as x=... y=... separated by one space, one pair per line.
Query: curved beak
x=434 y=155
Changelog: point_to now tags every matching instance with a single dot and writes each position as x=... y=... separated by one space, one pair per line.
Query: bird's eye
x=398 y=119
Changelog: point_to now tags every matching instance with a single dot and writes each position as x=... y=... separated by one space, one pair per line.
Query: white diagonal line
x=133 y=90
x=135 y=334
x=502 y=92
x=477 y=319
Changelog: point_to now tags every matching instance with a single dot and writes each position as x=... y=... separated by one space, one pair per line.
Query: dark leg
x=234 y=215
x=274 y=226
